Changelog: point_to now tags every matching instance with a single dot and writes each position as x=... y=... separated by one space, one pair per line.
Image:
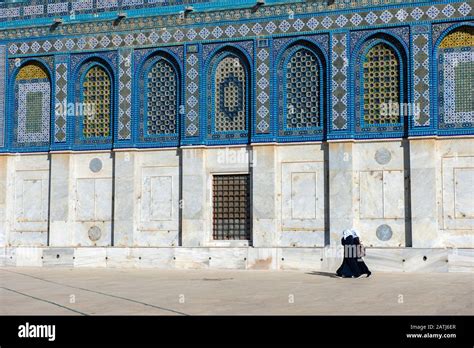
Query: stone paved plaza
x=62 y=291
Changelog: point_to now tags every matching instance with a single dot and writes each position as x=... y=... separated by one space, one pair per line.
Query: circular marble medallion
x=384 y=232
x=95 y=165
x=383 y=156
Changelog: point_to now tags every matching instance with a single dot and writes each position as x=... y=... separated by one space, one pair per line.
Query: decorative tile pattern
x=162 y=99
x=125 y=94
x=340 y=65
x=80 y=65
x=60 y=115
x=192 y=78
x=230 y=93
x=381 y=78
x=32 y=105
x=463 y=37
x=458 y=83
x=263 y=88
x=146 y=34
x=456 y=79
x=158 y=94
x=421 y=78
x=300 y=86
x=290 y=6
x=373 y=85
x=3 y=53
x=302 y=90
x=97 y=91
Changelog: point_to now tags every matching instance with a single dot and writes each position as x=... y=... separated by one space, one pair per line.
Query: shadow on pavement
x=324 y=274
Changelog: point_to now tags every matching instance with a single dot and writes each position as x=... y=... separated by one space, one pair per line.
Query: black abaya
x=352 y=265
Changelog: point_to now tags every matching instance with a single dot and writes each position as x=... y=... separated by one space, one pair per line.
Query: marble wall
x=416 y=193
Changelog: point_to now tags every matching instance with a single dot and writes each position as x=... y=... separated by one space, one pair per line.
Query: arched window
x=230 y=95
x=32 y=105
x=456 y=75
x=162 y=99
x=97 y=103
x=381 y=85
x=302 y=90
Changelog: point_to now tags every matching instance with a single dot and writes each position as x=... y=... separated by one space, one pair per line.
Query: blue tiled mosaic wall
x=299 y=73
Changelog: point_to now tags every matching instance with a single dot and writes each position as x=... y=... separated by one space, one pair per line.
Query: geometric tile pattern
x=230 y=95
x=381 y=84
x=458 y=84
x=302 y=90
x=461 y=37
x=421 y=78
x=38 y=9
x=227 y=94
x=456 y=79
x=33 y=108
x=193 y=80
x=97 y=92
x=2 y=94
x=340 y=65
x=157 y=103
x=60 y=114
x=280 y=25
x=162 y=99
x=96 y=97
x=300 y=85
x=263 y=88
x=125 y=94
x=373 y=85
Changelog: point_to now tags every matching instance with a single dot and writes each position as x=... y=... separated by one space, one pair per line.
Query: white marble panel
x=464 y=193
x=29 y=257
x=302 y=196
x=90 y=257
x=85 y=204
x=191 y=258
x=300 y=258
x=121 y=258
x=31 y=201
x=371 y=194
x=58 y=257
x=461 y=260
x=393 y=194
x=262 y=259
x=384 y=259
x=154 y=257
x=425 y=260
x=232 y=258
x=457 y=180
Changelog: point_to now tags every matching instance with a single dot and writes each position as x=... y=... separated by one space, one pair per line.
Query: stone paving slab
x=61 y=291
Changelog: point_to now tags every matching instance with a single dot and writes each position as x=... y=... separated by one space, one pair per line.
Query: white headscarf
x=350 y=232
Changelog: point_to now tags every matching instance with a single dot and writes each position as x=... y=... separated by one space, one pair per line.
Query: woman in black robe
x=353 y=265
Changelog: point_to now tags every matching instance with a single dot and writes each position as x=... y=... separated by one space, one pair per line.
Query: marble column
x=424 y=208
x=263 y=196
x=60 y=229
x=3 y=201
x=341 y=212
x=124 y=200
x=194 y=197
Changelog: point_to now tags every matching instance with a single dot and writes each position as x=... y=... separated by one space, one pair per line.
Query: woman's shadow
x=324 y=274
